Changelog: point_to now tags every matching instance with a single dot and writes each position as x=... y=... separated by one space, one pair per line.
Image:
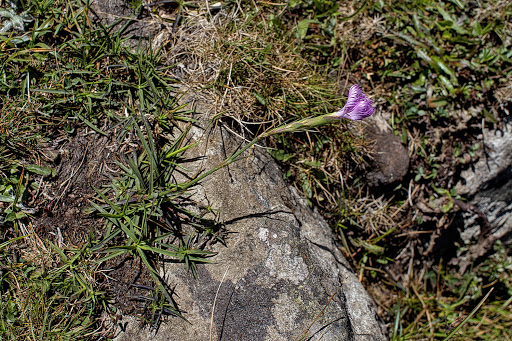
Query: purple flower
x=358 y=105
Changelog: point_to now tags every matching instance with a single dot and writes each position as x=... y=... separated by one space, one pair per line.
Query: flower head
x=358 y=105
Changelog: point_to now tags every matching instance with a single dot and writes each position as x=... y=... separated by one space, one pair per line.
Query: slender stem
x=223 y=164
x=300 y=125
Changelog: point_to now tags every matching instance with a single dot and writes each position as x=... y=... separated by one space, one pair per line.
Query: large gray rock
x=275 y=277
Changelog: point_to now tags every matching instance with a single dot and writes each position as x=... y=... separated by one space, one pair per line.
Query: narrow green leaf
x=6 y=243
x=6 y=198
x=160 y=251
x=110 y=256
x=449 y=336
x=52 y=91
x=90 y=124
x=181 y=150
x=445 y=68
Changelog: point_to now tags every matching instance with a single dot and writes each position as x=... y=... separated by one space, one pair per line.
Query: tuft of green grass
x=145 y=212
x=49 y=298
x=61 y=75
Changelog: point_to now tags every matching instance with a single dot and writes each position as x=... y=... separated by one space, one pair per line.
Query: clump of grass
x=54 y=82
x=145 y=214
x=50 y=297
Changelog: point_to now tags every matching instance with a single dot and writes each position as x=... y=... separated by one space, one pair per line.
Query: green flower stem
x=228 y=161
x=300 y=125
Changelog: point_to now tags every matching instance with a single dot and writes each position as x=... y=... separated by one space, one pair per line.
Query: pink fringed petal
x=358 y=105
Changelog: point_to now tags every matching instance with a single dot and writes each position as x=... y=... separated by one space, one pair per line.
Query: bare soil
x=83 y=162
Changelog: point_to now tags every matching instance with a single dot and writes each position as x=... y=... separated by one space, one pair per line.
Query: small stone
x=391 y=159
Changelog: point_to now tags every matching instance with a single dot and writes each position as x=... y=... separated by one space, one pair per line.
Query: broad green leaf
x=303 y=26
x=41 y=170
x=6 y=198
